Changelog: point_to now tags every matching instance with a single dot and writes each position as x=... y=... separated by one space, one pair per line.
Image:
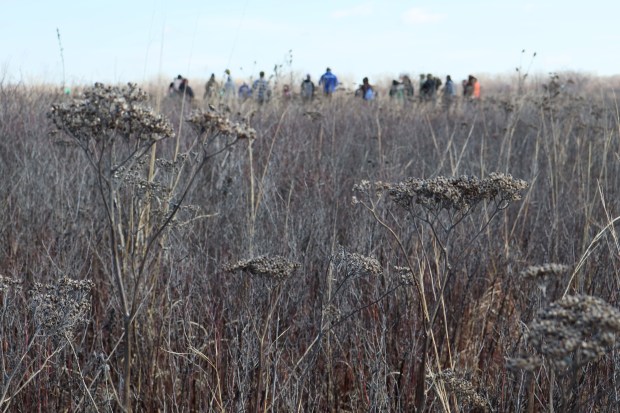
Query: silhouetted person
x=260 y=89
x=397 y=91
x=211 y=88
x=329 y=82
x=429 y=87
x=366 y=91
x=180 y=86
x=449 y=92
x=229 y=90
x=307 y=89
x=407 y=87
x=287 y=94
x=472 y=88
x=245 y=92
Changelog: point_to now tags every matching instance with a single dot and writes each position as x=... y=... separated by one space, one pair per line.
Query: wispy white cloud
x=417 y=15
x=363 y=9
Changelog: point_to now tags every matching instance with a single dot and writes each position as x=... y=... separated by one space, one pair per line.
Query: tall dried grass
x=346 y=331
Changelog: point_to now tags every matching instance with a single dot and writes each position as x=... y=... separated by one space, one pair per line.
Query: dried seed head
x=404 y=274
x=354 y=264
x=366 y=188
x=457 y=193
x=331 y=313
x=574 y=330
x=106 y=112
x=214 y=122
x=463 y=389
x=276 y=267
x=62 y=306
x=529 y=363
x=135 y=175
x=543 y=274
x=6 y=283
x=536 y=272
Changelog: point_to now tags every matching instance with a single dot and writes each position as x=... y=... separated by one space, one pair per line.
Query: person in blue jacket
x=329 y=82
x=245 y=92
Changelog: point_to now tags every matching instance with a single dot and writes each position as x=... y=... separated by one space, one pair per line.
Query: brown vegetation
x=212 y=259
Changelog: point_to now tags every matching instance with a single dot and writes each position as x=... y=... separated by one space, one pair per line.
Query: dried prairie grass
x=492 y=322
x=52 y=223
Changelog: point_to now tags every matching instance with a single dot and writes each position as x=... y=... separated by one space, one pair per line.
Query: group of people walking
x=401 y=90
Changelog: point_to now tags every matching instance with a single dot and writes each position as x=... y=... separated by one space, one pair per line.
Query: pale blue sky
x=137 y=40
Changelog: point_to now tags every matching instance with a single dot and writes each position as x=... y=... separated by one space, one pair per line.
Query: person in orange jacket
x=471 y=88
x=476 y=94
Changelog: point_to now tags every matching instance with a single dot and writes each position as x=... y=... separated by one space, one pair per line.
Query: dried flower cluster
x=331 y=313
x=364 y=187
x=543 y=275
x=213 y=122
x=135 y=175
x=573 y=331
x=169 y=165
x=313 y=115
x=458 y=193
x=106 y=112
x=528 y=363
x=62 y=306
x=6 y=283
x=354 y=264
x=275 y=267
x=537 y=272
x=463 y=389
x=404 y=275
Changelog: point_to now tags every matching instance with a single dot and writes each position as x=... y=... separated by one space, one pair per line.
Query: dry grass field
x=337 y=256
